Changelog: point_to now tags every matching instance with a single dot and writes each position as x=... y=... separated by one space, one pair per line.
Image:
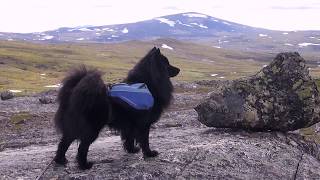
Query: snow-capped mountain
x=185 y=26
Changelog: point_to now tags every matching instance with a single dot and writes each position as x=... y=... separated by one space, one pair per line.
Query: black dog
x=85 y=108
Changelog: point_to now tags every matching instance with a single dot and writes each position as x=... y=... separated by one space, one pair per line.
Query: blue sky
x=41 y=15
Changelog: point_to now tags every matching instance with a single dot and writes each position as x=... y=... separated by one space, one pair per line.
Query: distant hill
x=191 y=26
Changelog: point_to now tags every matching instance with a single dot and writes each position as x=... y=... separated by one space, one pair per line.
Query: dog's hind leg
x=127 y=136
x=82 y=155
x=83 y=149
x=63 y=146
x=143 y=139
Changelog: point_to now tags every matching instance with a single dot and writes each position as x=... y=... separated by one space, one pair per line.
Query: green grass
x=21 y=63
x=310 y=134
x=19 y=118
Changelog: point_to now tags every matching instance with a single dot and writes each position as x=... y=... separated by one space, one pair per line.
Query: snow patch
x=288 y=44
x=10 y=39
x=226 y=23
x=265 y=65
x=200 y=25
x=179 y=22
x=43 y=74
x=207 y=60
x=263 y=35
x=84 y=29
x=125 y=30
x=166 y=21
x=213 y=75
x=47 y=37
x=166 y=47
x=221 y=77
x=53 y=86
x=80 y=39
x=285 y=33
x=114 y=36
x=195 y=15
x=215 y=20
x=307 y=44
x=216 y=47
x=15 y=91
x=108 y=29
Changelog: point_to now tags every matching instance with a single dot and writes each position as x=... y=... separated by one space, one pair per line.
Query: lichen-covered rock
x=5 y=95
x=281 y=97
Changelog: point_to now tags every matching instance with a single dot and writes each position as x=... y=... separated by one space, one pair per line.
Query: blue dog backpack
x=136 y=96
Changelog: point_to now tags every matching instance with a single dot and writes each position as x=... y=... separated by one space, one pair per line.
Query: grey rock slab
x=185 y=153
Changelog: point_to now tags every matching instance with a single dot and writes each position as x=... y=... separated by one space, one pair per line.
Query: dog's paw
x=133 y=150
x=61 y=161
x=85 y=166
x=151 y=154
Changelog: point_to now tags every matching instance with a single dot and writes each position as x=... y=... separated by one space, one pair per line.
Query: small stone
x=6 y=95
x=317 y=128
x=46 y=100
x=281 y=97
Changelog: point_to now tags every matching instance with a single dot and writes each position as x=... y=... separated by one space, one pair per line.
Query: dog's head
x=160 y=65
x=155 y=70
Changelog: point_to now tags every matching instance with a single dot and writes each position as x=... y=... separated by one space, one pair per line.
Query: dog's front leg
x=143 y=139
x=127 y=136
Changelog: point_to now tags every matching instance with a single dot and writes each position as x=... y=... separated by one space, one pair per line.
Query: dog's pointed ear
x=153 y=49
x=157 y=51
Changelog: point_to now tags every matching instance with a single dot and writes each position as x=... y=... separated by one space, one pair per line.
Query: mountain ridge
x=190 y=26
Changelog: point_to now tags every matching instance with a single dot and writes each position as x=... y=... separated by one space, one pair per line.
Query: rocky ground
x=188 y=149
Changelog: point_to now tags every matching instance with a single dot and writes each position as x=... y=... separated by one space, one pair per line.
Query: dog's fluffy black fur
x=85 y=108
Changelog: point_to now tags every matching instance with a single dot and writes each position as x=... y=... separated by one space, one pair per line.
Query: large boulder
x=281 y=97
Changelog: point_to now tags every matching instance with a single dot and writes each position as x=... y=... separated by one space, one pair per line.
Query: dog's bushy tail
x=69 y=82
x=83 y=92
